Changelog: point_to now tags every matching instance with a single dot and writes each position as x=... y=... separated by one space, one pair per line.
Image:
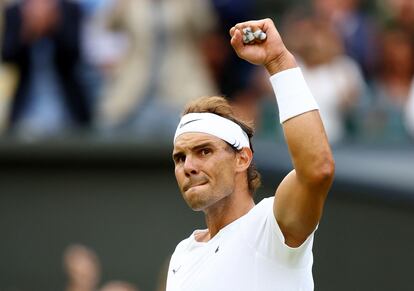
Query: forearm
x=309 y=149
x=301 y=122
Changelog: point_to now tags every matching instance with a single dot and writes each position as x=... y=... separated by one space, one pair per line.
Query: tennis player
x=248 y=247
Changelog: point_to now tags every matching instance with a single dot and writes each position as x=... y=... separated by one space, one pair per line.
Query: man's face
x=204 y=168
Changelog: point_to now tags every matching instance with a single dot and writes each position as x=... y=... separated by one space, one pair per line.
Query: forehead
x=193 y=139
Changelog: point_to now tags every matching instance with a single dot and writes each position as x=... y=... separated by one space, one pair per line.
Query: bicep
x=301 y=195
x=298 y=208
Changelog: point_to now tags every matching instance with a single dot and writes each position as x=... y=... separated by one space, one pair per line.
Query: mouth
x=189 y=186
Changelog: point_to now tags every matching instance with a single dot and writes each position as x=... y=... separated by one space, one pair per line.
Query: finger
x=254 y=24
x=232 y=30
x=259 y=35
x=237 y=40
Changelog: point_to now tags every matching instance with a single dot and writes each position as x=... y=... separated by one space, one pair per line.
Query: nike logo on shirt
x=176 y=270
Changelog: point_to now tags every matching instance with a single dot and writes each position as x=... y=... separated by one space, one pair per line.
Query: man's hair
x=220 y=106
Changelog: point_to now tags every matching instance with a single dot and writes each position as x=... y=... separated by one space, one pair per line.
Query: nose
x=190 y=166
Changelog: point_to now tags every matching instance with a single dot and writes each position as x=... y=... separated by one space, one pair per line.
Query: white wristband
x=292 y=94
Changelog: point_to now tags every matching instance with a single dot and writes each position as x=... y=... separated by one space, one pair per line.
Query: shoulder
x=185 y=244
x=265 y=203
x=263 y=233
x=261 y=209
x=252 y=224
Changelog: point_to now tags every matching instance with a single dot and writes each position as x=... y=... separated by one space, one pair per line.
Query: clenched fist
x=271 y=53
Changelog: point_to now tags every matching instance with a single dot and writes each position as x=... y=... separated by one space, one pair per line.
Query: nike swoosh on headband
x=182 y=125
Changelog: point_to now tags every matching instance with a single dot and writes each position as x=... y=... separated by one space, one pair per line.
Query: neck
x=226 y=211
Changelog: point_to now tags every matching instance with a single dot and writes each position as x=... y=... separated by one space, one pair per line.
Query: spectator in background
x=91 y=73
x=160 y=66
x=90 y=7
x=357 y=30
x=118 y=286
x=409 y=112
x=82 y=267
x=321 y=58
x=42 y=38
x=234 y=77
x=398 y=13
x=393 y=85
x=8 y=78
x=231 y=73
x=240 y=81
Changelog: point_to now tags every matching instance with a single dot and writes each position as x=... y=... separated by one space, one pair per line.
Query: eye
x=179 y=159
x=205 y=151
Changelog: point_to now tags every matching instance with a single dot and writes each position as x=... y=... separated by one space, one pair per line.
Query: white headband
x=216 y=125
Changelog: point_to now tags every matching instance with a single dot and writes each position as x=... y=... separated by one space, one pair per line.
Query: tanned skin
x=213 y=178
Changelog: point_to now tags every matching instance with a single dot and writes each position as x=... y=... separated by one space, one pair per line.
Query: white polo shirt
x=249 y=254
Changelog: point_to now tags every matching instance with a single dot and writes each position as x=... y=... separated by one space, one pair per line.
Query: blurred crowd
x=83 y=271
x=125 y=67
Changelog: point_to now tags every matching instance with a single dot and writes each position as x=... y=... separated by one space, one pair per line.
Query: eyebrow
x=203 y=145
x=194 y=148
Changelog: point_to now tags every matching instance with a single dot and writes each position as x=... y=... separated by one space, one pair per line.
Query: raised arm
x=300 y=198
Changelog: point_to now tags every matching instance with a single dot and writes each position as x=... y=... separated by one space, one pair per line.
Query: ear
x=243 y=159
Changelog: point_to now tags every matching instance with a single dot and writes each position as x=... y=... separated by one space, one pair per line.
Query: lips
x=191 y=185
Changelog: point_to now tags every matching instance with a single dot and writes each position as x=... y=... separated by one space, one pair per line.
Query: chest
x=217 y=265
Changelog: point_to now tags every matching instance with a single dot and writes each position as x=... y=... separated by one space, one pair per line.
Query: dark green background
x=126 y=206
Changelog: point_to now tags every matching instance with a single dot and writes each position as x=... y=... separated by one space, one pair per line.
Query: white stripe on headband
x=216 y=125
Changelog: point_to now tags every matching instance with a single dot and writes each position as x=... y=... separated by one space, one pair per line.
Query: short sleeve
x=262 y=232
